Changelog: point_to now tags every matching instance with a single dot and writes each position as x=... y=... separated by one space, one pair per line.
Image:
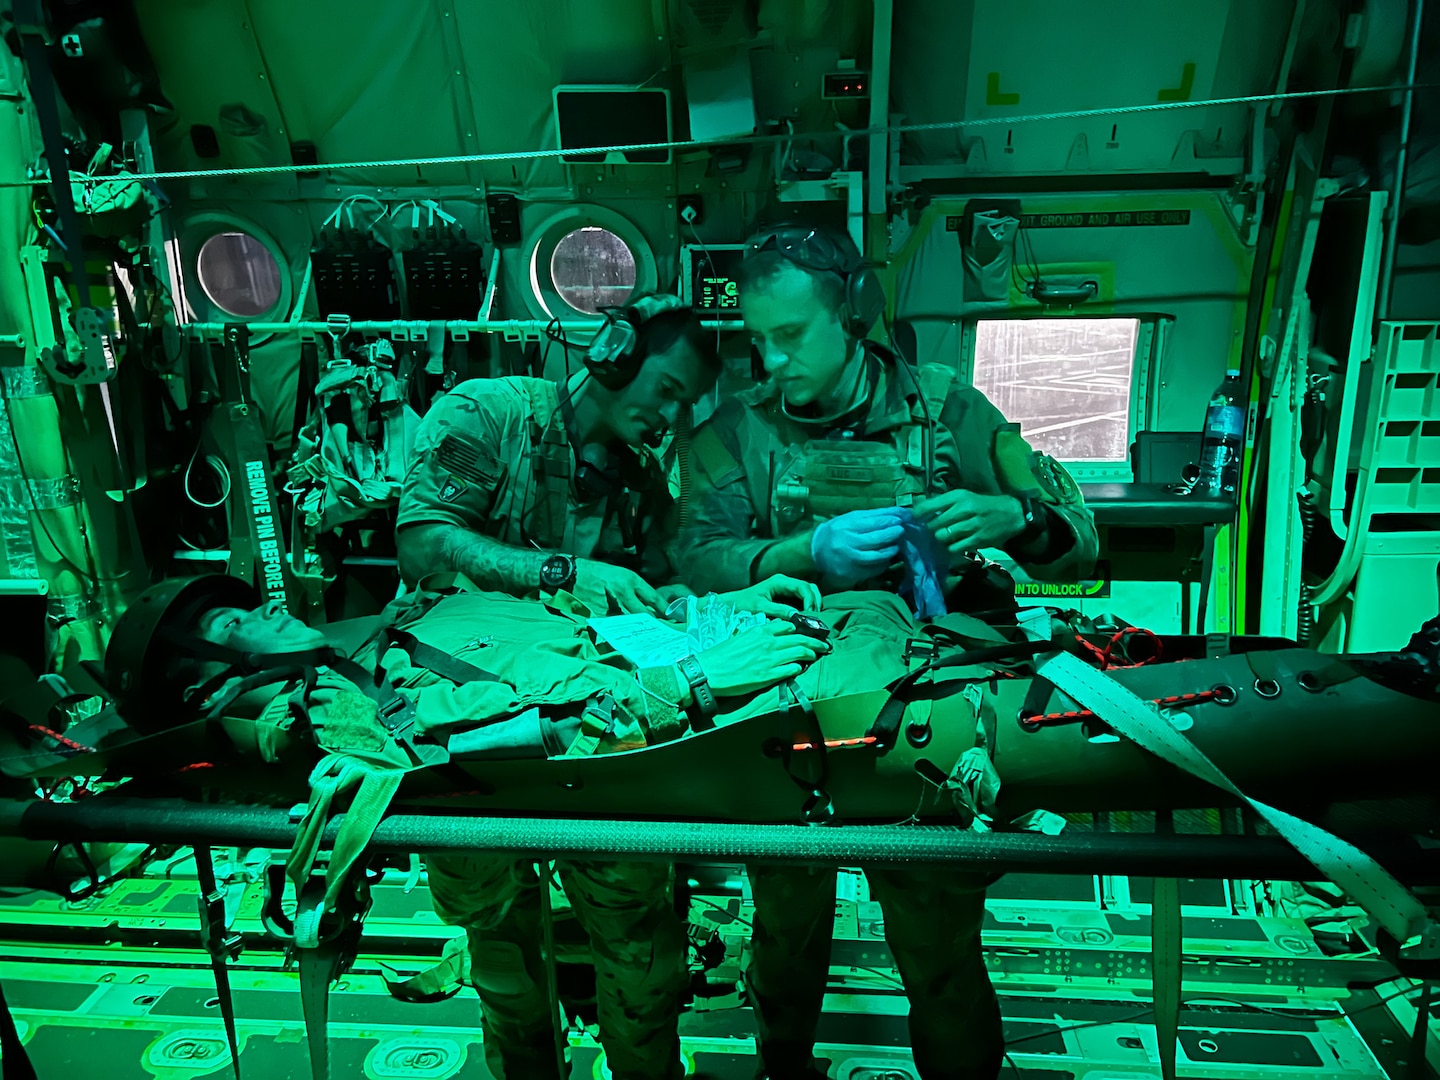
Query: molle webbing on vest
x=553 y=461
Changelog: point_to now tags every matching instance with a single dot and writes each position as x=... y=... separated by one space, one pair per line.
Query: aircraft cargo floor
x=115 y=987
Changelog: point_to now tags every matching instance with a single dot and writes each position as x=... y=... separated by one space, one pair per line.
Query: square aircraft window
x=1066 y=382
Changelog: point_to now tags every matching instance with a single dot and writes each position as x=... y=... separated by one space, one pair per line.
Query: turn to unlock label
x=1096 y=588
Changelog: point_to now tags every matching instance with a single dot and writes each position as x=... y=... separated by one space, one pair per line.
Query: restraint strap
x=436 y=660
x=818 y=807
x=374 y=783
x=318 y=967
x=218 y=944
x=14 y=1061
x=375 y=786
x=903 y=690
x=1373 y=888
x=257 y=549
x=597 y=720
x=309 y=379
x=1166 y=970
x=33 y=30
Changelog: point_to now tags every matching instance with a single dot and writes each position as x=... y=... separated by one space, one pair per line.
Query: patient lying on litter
x=465 y=674
x=539 y=709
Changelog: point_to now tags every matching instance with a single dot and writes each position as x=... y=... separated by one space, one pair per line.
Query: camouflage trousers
x=932 y=925
x=637 y=941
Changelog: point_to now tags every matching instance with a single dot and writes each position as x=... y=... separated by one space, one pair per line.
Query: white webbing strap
x=1373 y=888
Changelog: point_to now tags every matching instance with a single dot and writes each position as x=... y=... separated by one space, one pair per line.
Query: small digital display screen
x=713 y=274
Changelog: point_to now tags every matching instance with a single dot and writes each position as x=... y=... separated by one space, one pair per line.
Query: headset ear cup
x=619 y=372
x=613 y=375
x=865 y=300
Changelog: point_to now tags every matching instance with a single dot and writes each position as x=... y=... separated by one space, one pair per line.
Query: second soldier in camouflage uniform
x=818 y=473
x=512 y=477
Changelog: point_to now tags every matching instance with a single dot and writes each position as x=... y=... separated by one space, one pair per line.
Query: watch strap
x=705 y=705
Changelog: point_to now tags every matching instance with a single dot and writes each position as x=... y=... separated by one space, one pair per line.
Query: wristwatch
x=557 y=573
x=704 y=703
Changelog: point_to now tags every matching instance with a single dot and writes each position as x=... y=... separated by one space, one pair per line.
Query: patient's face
x=267 y=629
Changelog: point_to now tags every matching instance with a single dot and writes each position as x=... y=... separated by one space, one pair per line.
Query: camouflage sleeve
x=459 y=458
x=992 y=457
x=717 y=550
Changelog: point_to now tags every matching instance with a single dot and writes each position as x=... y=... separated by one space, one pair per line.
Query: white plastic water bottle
x=1224 y=440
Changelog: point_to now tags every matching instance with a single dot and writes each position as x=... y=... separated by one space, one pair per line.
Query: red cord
x=1086 y=714
x=1094 y=650
x=1116 y=639
x=197 y=765
x=835 y=744
x=62 y=740
x=1104 y=657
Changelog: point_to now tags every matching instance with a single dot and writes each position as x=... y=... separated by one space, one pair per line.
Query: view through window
x=1066 y=382
x=238 y=274
x=592 y=268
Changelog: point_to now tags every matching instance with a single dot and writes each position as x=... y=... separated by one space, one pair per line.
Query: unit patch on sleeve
x=1057 y=481
x=452 y=489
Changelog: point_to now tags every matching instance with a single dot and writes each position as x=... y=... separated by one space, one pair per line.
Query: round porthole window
x=593 y=268
x=239 y=274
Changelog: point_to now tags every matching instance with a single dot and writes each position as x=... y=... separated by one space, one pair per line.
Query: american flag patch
x=462 y=459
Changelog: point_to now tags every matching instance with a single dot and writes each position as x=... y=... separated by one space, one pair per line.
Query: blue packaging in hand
x=924 y=557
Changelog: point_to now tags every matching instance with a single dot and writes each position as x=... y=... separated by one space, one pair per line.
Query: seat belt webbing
x=1166 y=983
x=215 y=933
x=1383 y=897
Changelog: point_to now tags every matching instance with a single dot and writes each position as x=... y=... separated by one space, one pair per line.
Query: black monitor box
x=598 y=116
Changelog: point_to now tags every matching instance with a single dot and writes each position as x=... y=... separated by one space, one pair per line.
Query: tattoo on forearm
x=487 y=562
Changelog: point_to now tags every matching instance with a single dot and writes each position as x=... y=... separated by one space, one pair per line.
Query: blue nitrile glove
x=924 y=556
x=858 y=545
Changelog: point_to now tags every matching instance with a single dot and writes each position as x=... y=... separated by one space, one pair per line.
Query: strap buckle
x=923 y=650
x=217 y=936
x=398 y=716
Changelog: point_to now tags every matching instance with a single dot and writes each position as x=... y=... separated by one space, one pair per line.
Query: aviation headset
x=833 y=251
x=612 y=358
x=829 y=251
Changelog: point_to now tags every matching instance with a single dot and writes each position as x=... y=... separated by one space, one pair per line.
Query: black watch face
x=811 y=627
x=556 y=573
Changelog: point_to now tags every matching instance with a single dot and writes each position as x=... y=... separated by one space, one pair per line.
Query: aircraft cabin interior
x=868 y=539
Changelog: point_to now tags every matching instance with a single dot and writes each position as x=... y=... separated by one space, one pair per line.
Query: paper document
x=642 y=639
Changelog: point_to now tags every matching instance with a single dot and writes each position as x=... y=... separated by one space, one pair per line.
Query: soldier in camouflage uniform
x=817 y=473
x=525 y=487
x=510 y=473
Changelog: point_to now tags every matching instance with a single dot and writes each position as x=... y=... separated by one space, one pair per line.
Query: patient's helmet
x=153 y=634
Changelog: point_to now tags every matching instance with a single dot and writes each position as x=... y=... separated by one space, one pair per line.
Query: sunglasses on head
x=811 y=249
